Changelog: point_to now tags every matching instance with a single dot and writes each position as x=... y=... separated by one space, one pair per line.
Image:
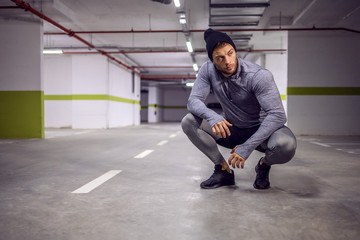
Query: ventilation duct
x=163 y=1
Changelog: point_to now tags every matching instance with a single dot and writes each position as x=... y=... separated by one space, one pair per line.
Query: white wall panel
x=89 y=74
x=58 y=114
x=58 y=74
x=324 y=59
x=89 y=114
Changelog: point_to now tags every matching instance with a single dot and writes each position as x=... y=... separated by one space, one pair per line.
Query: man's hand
x=235 y=159
x=221 y=128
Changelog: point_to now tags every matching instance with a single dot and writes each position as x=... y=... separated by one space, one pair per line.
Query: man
x=253 y=114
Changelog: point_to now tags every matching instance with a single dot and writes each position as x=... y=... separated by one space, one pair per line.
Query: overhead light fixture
x=177 y=3
x=52 y=51
x=189 y=46
x=196 y=67
x=182 y=19
x=189 y=84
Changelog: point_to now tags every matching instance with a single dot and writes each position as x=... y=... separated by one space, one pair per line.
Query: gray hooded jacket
x=244 y=96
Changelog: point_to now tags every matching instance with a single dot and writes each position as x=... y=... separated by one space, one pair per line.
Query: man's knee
x=282 y=146
x=286 y=146
x=188 y=123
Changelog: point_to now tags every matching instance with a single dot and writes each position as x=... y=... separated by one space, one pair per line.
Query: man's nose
x=227 y=59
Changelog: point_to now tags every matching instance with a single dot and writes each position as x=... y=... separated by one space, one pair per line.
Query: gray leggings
x=279 y=148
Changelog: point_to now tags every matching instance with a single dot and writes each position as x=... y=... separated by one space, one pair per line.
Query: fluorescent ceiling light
x=182 y=20
x=52 y=51
x=189 y=46
x=189 y=84
x=196 y=67
x=177 y=3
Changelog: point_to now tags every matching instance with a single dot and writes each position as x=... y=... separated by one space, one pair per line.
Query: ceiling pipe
x=179 y=51
x=202 y=30
x=69 y=32
x=162 y=66
x=167 y=77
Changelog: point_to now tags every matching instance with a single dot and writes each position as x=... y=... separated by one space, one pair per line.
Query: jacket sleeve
x=268 y=96
x=199 y=93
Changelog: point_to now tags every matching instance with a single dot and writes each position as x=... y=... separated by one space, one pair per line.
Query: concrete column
x=154 y=110
x=21 y=79
x=278 y=66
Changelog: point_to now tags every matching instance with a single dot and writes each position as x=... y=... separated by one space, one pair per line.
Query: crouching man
x=253 y=115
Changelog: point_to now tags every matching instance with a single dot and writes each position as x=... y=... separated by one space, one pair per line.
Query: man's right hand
x=221 y=129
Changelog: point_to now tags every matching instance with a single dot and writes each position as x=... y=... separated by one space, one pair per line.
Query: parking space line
x=162 y=142
x=346 y=144
x=172 y=136
x=144 y=153
x=321 y=144
x=97 y=182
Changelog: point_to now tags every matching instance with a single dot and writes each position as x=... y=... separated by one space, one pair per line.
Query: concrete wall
x=58 y=75
x=324 y=81
x=21 y=79
x=170 y=104
x=85 y=91
x=174 y=103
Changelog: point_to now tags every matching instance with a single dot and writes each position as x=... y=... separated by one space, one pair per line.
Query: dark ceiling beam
x=202 y=30
x=239 y=5
x=235 y=15
x=240 y=24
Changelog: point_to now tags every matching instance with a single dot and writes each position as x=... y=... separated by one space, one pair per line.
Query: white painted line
x=6 y=142
x=144 y=153
x=97 y=182
x=172 y=136
x=321 y=144
x=162 y=142
x=349 y=144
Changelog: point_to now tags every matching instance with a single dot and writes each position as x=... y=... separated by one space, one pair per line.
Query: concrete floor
x=316 y=196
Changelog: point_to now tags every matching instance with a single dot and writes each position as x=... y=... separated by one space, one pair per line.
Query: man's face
x=224 y=58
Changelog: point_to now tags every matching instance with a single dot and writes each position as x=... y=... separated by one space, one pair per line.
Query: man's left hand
x=235 y=159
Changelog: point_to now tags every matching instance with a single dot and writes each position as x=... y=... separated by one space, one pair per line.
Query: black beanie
x=212 y=37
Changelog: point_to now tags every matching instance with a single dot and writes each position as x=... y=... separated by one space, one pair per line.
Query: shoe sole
x=258 y=188
x=217 y=186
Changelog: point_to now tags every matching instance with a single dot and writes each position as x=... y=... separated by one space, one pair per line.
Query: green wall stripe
x=90 y=97
x=22 y=114
x=58 y=97
x=323 y=90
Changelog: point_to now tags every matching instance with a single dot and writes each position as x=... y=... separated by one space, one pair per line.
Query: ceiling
x=153 y=41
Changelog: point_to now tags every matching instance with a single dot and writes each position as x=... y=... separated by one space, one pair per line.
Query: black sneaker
x=219 y=178
x=262 y=176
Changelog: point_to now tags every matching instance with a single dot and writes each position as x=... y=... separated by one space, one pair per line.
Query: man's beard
x=224 y=71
